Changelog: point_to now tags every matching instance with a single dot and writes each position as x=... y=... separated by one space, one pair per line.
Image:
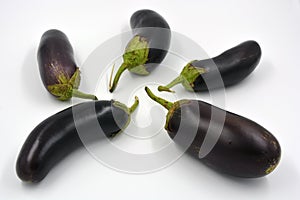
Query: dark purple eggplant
x=57 y=136
x=227 y=69
x=58 y=70
x=148 y=47
x=243 y=149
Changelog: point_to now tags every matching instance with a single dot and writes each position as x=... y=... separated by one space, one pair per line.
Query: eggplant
x=58 y=70
x=243 y=148
x=229 y=68
x=147 y=48
x=57 y=136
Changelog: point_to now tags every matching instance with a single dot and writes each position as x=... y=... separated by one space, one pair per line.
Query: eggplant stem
x=77 y=93
x=111 y=75
x=113 y=85
x=168 y=105
x=134 y=105
x=166 y=88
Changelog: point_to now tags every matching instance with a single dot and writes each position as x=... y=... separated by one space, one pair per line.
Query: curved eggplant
x=148 y=47
x=227 y=69
x=57 y=136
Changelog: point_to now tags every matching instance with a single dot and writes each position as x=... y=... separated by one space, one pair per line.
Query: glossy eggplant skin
x=141 y=22
x=148 y=46
x=225 y=70
x=244 y=148
x=55 y=49
x=57 y=136
x=233 y=65
x=58 y=70
x=147 y=18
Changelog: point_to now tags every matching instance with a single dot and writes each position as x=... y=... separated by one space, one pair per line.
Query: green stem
x=176 y=81
x=134 y=105
x=77 y=93
x=117 y=77
x=168 y=105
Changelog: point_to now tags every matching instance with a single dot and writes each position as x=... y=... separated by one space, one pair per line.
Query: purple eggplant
x=233 y=65
x=58 y=70
x=148 y=47
x=243 y=148
x=58 y=136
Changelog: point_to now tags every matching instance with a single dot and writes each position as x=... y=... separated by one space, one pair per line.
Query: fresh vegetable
x=148 y=47
x=243 y=149
x=227 y=69
x=57 y=136
x=58 y=70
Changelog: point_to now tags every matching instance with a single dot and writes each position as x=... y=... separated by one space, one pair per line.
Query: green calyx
x=134 y=58
x=171 y=107
x=136 y=55
x=68 y=87
x=128 y=110
x=175 y=106
x=140 y=70
x=62 y=91
x=125 y=108
x=187 y=78
x=190 y=74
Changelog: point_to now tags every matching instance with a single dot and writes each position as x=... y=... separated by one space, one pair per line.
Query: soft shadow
x=259 y=76
x=30 y=186
x=59 y=172
x=9 y=176
x=249 y=183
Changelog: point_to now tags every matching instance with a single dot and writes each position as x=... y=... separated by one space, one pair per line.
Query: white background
x=269 y=96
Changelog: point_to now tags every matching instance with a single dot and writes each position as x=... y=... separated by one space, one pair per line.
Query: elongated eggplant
x=148 y=47
x=243 y=148
x=227 y=69
x=58 y=135
x=58 y=70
